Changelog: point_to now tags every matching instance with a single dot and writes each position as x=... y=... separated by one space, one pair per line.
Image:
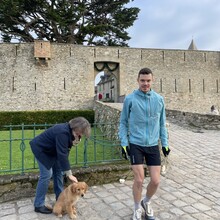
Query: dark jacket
x=53 y=145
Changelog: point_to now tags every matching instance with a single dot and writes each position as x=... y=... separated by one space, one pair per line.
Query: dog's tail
x=57 y=210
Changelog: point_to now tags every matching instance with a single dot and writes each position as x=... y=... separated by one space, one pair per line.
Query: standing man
x=51 y=150
x=142 y=124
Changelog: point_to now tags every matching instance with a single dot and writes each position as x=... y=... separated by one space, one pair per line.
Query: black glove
x=125 y=151
x=166 y=150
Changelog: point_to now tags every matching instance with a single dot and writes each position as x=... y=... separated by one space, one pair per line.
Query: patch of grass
x=16 y=154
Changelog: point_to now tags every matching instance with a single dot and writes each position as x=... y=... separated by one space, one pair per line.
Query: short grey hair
x=80 y=124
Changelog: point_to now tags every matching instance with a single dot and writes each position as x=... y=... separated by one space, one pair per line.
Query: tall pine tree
x=88 y=22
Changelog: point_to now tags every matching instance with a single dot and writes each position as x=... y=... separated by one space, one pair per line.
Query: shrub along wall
x=42 y=117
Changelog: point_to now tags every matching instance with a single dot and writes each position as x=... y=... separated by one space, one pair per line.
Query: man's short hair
x=145 y=71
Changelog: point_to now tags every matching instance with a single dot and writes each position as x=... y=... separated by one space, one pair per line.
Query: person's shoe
x=149 y=213
x=43 y=210
x=137 y=214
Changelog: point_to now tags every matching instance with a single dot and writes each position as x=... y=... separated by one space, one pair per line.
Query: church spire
x=192 y=45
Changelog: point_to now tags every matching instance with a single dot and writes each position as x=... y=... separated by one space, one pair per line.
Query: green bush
x=42 y=117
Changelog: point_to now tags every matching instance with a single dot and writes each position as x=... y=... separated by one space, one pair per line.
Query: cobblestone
x=189 y=191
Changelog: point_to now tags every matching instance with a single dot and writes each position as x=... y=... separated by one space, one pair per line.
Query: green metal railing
x=16 y=155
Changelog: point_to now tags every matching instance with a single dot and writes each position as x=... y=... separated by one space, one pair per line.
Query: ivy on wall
x=106 y=65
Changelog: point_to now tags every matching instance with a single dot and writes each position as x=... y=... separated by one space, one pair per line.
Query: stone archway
x=108 y=87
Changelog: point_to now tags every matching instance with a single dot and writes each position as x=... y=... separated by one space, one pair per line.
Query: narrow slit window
x=163 y=54
x=16 y=50
x=190 y=87
x=161 y=85
x=94 y=52
x=175 y=83
x=13 y=84
x=203 y=85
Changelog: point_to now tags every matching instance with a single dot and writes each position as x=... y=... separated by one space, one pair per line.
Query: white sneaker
x=137 y=214
x=149 y=213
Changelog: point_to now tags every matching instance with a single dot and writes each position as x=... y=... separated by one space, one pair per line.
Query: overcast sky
x=172 y=24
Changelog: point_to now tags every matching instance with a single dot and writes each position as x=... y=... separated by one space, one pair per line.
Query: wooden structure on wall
x=42 y=52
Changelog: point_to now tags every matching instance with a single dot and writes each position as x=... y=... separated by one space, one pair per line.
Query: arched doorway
x=98 y=79
x=107 y=89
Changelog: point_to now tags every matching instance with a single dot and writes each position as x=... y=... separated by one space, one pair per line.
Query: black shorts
x=150 y=154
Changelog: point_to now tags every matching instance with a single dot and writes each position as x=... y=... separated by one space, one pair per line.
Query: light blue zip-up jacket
x=143 y=120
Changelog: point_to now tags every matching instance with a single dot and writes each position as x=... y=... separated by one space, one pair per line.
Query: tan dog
x=67 y=199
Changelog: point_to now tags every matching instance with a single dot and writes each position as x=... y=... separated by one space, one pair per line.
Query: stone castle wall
x=188 y=80
x=110 y=112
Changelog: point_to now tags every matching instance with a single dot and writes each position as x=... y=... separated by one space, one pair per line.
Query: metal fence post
x=85 y=152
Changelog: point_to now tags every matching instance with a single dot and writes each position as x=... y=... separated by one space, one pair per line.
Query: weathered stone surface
x=188 y=80
x=21 y=186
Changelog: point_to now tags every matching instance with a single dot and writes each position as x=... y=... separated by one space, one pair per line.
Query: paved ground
x=190 y=190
